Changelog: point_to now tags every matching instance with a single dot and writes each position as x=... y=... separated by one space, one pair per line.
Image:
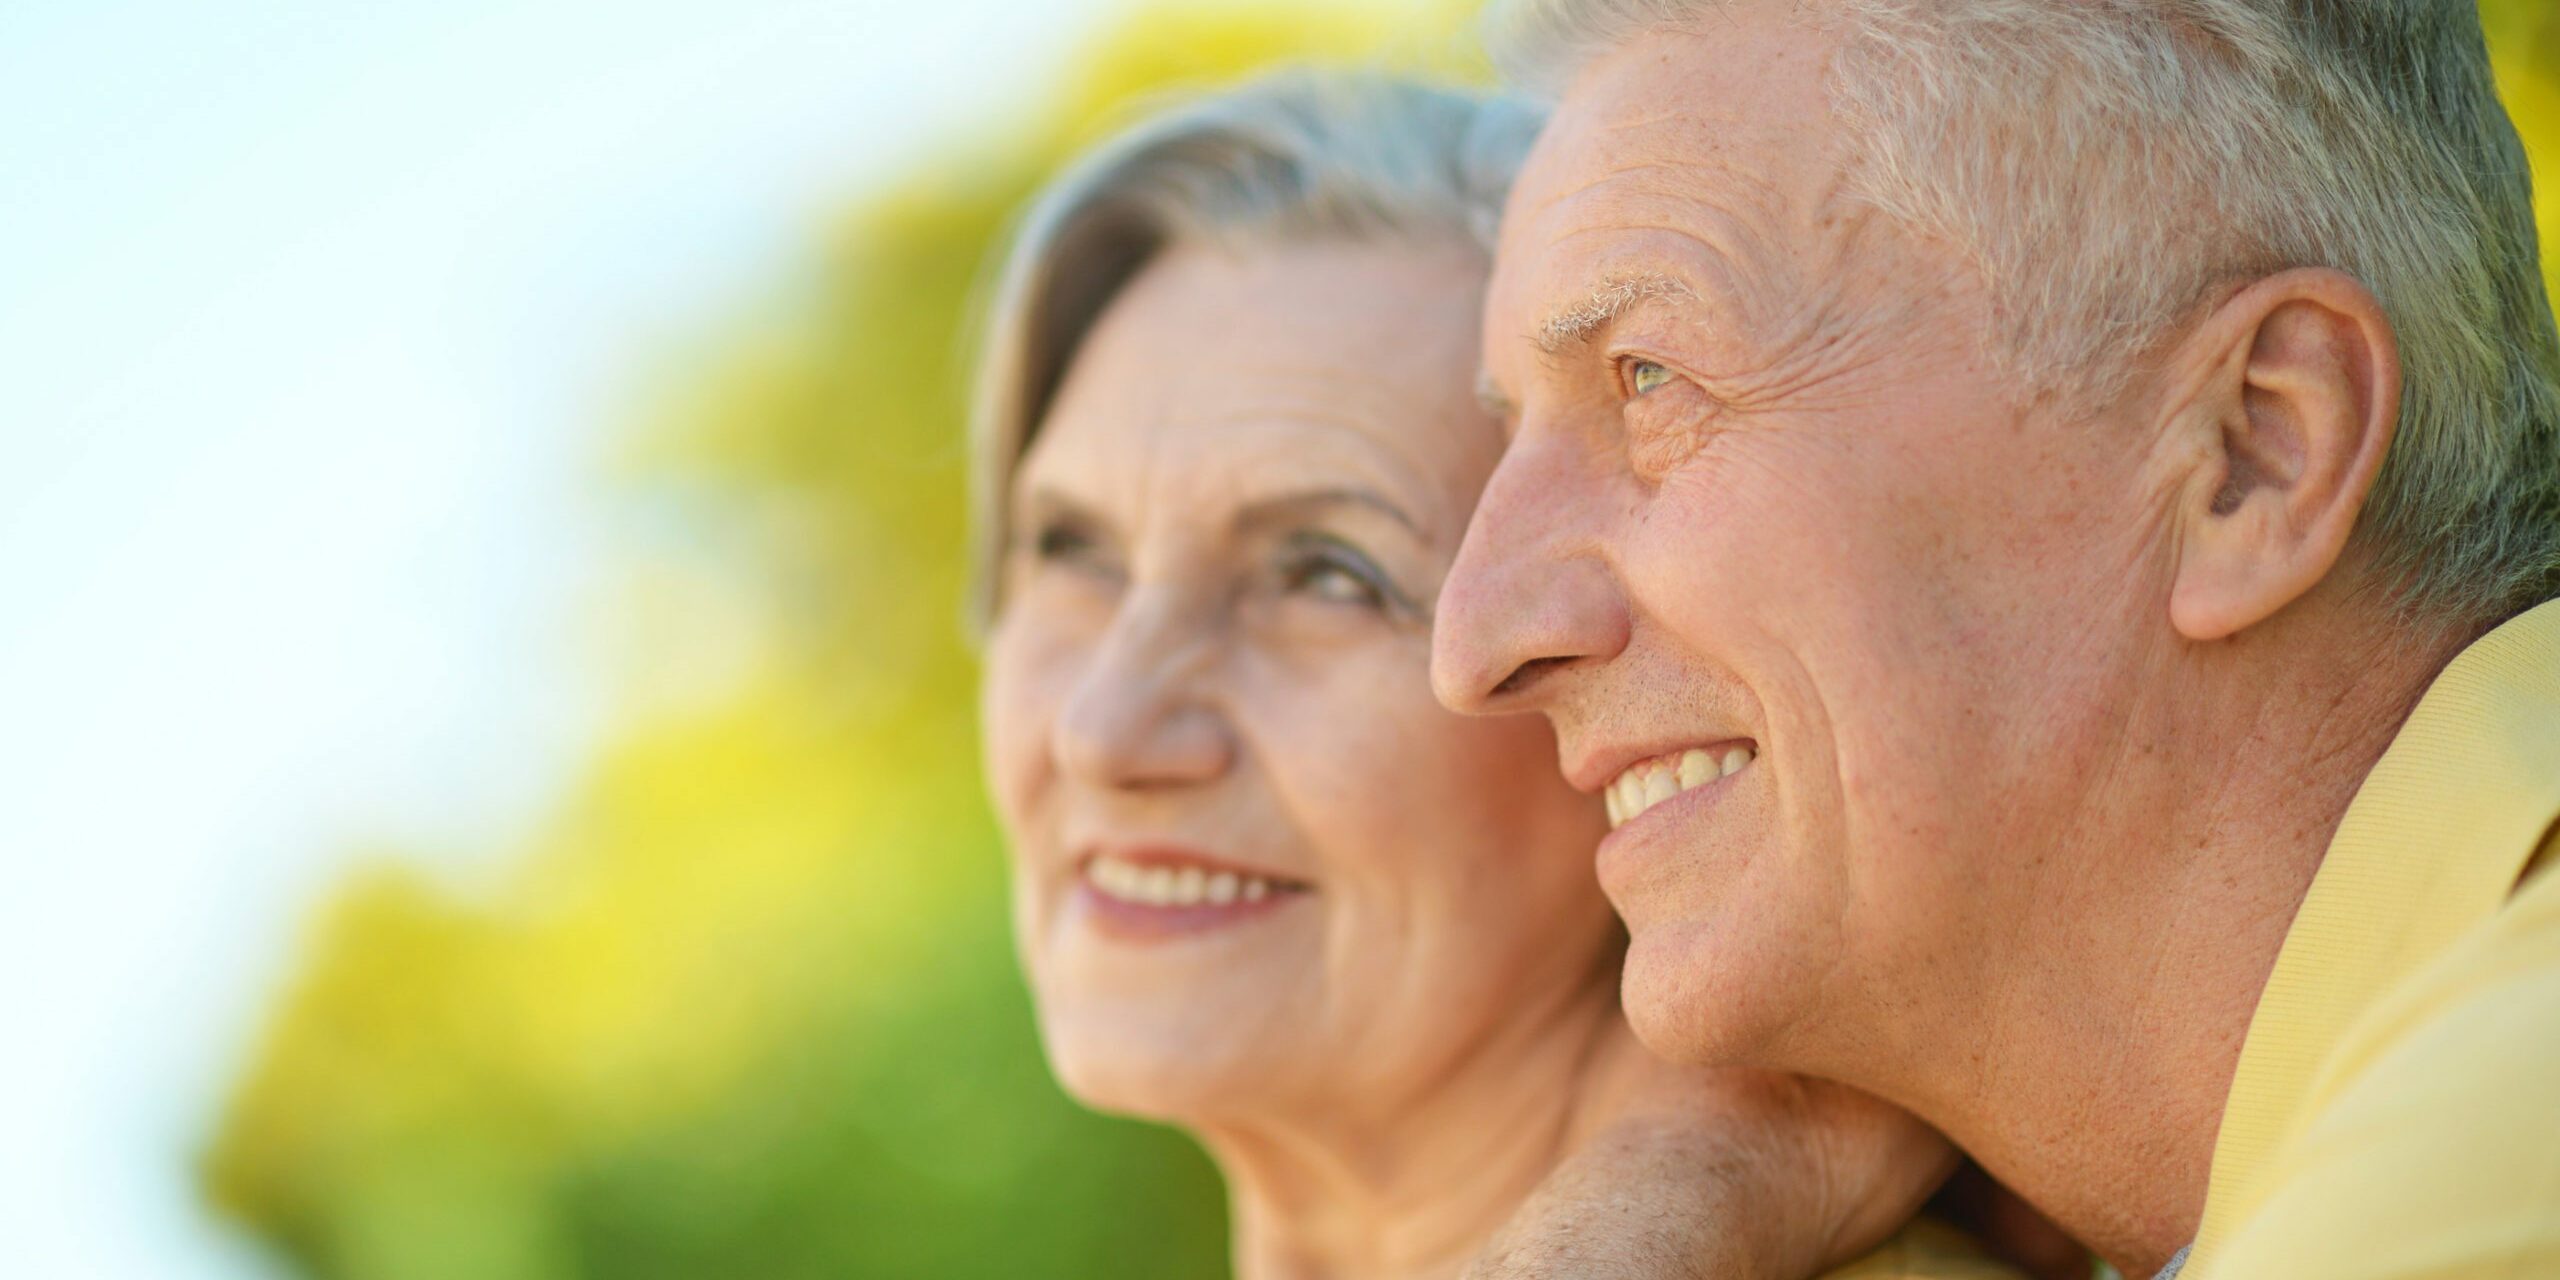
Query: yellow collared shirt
x=2396 y=1112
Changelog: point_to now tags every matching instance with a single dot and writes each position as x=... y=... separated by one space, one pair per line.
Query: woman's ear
x=2299 y=397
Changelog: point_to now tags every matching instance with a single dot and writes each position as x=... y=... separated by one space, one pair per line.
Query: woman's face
x=1256 y=867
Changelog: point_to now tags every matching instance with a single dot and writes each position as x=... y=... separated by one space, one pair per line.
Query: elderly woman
x=1266 y=889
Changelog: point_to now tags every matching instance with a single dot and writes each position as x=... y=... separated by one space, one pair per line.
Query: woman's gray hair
x=2109 y=165
x=1295 y=158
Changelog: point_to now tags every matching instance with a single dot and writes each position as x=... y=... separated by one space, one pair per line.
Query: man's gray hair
x=2111 y=165
x=1294 y=158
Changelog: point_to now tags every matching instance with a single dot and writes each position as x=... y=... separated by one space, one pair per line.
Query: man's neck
x=1412 y=1191
x=2102 y=1095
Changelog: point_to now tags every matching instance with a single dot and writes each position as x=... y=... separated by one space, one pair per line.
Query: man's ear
x=2297 y=398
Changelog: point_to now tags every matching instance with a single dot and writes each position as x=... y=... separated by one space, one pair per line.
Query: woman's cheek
x=1536 y=835
x=1441 y=791
x=1028 y=670
x=1331 y=722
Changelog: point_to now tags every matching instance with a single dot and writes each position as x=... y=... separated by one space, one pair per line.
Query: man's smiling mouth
x=1649 y=782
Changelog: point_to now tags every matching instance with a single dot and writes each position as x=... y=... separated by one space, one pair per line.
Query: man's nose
x=1141 y=715
x=1532 y=592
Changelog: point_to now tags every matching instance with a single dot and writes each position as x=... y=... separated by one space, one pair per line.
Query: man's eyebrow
x=1596 y=310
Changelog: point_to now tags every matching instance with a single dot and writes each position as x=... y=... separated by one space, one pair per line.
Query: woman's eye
x=1059 y=542
x=1067 y=544
x=1645 y=376
x=1334 y=574
x=1340 y=586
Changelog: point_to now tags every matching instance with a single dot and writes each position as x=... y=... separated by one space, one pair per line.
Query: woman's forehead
x=1213 y=471
x=1292 y=364
x=1372 y=322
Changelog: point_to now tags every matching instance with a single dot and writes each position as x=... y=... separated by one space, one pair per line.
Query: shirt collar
x=2431 y=846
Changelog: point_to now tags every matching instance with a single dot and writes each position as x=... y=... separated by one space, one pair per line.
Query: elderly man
x=2100 y=459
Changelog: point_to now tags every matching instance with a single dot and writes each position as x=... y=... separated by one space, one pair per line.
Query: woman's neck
x=1413 y=1191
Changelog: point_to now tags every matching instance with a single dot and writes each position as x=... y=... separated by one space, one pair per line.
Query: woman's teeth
x=1157 y=885
x=1651 y=782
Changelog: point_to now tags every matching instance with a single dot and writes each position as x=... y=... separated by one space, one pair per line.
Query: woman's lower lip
x=1142 y=922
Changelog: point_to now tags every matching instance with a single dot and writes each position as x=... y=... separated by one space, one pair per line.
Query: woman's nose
x=1140 y=715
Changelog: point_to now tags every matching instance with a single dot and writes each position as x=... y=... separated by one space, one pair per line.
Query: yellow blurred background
x=746 y=1004
x=734 y=996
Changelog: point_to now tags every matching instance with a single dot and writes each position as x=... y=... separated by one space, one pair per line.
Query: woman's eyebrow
x=1043 y=504
x=1281 y=507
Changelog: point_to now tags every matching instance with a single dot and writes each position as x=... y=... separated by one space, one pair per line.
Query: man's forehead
x=1674 y=148
x=1586 y=254
x=1724 y=93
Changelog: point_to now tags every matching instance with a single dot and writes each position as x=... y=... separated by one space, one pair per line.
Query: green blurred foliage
x=747 y=1006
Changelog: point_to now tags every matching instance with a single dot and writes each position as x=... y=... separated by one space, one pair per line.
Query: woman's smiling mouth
x=1151 y=894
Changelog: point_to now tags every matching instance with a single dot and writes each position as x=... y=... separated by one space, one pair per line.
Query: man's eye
x=1645 y=376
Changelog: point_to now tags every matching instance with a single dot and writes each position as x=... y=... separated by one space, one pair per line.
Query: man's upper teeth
x=1156 y=885
x=1651 y=782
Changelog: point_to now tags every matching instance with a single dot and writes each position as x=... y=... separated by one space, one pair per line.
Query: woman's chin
x=1167 y=1072
x=1171 y=1033
x=1122 y=1084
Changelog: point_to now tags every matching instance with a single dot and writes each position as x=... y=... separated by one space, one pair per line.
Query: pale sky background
x=311 y=316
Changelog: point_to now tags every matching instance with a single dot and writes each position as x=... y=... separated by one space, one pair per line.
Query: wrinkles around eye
x=1668 y=426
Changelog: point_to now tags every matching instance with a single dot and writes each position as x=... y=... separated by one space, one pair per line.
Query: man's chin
x=1689 y=1001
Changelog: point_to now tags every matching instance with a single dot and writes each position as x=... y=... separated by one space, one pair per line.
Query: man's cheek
x=1707 y=566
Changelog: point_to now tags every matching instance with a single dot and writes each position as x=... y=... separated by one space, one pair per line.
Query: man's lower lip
x=1142 y=922
x=1623 y=850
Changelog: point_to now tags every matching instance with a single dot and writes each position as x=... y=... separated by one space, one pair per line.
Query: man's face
x=1767 y=503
